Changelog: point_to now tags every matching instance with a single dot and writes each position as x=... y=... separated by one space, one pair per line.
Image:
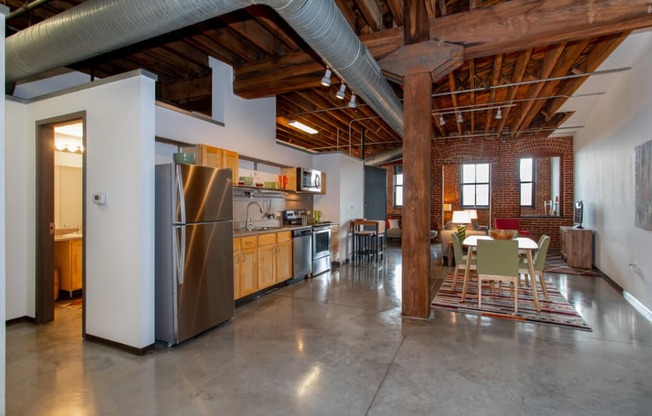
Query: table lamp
x=461 y=218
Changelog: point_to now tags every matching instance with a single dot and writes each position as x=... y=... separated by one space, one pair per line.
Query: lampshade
x=473 y=214
x=461 y=217
x=448 y=207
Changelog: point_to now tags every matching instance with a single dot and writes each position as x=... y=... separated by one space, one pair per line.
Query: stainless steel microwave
x=308 y=180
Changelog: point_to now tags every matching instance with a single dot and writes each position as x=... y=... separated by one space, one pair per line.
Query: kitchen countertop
x=245 y=233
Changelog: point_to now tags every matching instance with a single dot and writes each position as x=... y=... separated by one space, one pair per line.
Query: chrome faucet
x=248 y=223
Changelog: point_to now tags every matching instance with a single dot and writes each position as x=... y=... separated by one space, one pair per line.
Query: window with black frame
x=475 y=185
x=398 y=186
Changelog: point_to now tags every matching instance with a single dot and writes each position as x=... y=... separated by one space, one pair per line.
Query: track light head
x=499 y=114
x=460 y=120
x=352 y=103
x=340 y=93
x=326 y=80
x=441 y=120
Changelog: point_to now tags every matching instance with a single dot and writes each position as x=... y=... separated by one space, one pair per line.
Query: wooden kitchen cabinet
x=335 y=243
x=245 y=262
x=68 y=259
x=284 y=256
x=576 y=246
x=215 y=157
x=267 y=260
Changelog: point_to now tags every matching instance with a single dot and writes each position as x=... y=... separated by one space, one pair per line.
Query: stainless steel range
x=321 y=248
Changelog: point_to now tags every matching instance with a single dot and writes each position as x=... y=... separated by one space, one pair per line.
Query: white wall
x=249 y=125
x=3 y=12
x=119 y=246
x=604 y=179
x=344 y=198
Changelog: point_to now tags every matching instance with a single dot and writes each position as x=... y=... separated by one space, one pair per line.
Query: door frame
x=44 y=221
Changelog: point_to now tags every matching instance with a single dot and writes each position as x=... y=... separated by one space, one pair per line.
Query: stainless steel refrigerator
x=194 y=250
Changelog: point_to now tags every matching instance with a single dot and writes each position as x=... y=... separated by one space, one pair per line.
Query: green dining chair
x=539 y=262
x=460 y=258
x=497 y=260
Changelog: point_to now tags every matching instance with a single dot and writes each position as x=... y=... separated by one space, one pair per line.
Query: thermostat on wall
x=99 y=198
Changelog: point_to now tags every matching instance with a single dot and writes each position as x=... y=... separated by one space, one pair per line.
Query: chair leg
x=516 y=298
x=479 y=292
x=455 y=276
x=543 y=284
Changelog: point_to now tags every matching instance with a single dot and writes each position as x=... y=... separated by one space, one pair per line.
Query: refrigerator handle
x=180 y=251
x=181 y=196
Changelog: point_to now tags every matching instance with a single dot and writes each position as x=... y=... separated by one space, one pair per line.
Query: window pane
x=482 y=173
x=526 y=194
x=482 y=195
x=398 y=179
x=398 y=196
x=468 y=195
x=468 y=173
x=526 y=170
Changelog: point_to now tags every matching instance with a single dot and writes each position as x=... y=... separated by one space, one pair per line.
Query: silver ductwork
x=384 y=157
x=99 y=26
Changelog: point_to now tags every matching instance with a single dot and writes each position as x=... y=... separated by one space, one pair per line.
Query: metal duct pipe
x=99 y=26
x=384 y=157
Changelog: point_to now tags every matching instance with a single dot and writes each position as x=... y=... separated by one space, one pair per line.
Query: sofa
x=511 y=224
x=447 y=240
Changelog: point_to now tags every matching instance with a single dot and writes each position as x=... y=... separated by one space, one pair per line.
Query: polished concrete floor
x=336 y=345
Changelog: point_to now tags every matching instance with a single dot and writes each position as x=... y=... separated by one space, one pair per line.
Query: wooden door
x=237 y=268
x=375 y=193
x=231 y=160
x=210 y=156
x=248 y=271
x=284 y=261
x=266 y=265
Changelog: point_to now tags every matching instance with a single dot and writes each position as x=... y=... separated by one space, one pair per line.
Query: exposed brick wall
x=503 y=156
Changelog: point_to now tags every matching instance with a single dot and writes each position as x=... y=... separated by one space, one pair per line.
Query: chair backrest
x=498 y=257
x=457 y=249
x=506 y=223
x=539 y=258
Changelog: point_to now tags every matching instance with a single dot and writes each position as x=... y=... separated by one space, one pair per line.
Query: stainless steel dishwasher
x=302 y=254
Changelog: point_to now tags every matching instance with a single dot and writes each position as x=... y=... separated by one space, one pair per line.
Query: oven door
x=321 y=249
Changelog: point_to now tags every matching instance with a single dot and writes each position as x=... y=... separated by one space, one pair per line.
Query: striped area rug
x=555 y=264
x=555 y=311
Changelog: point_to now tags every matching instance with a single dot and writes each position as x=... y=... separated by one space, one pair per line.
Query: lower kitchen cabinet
x=261 y=261
x=245 y=261
x=68 y=259
x=284 y=256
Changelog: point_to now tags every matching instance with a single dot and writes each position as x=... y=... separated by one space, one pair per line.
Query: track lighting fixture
x=441 y=120
x=352 y=103
x=326 y=81
x=459 y=118
x=499 y=114
x=340 y=93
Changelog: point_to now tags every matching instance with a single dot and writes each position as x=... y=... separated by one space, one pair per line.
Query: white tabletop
x=524 y=243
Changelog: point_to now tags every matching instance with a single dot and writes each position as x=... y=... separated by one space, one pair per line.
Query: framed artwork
x=644 y=185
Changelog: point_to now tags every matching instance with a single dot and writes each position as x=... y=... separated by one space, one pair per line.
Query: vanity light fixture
x=352 y=103
x=326 y=80
x=460 y=120
x=499 y=114
x=299 y=125
x=340 y=93
x=441 y=120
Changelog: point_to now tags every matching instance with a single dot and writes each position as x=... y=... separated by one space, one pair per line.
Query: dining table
x=525 y=246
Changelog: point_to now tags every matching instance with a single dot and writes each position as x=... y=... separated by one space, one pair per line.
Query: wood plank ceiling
x=491 y=96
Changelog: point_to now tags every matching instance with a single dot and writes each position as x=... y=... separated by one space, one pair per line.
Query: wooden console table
x=577 y=247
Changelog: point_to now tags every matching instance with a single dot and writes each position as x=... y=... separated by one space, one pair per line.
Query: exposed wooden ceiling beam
x=372 y=14
x=506 y=27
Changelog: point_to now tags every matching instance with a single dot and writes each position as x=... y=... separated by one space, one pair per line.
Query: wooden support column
x=417 y=133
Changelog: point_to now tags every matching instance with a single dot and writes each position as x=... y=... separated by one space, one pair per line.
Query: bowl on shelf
x=503 y=234
x=187 y=158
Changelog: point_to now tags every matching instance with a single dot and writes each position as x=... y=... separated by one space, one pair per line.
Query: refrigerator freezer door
x=205 y=298
x=204 y=194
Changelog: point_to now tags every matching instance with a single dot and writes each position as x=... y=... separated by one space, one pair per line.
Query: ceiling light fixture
x=340 y=93
x=352 y=103
x=299 y=125
x=442 y=121
x=326 y=81
x=459 y=118
x=499 y=114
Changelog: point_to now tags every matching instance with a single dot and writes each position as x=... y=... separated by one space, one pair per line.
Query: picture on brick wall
x=644 y=185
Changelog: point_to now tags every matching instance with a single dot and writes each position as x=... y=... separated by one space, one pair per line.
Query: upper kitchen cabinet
x=215 y=157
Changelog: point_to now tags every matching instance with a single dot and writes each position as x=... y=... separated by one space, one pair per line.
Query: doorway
x=60 y=214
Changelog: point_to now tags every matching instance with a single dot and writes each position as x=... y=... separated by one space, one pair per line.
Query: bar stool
x=368 y=238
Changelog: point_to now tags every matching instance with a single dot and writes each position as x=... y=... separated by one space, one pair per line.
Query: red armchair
x=510 y=224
